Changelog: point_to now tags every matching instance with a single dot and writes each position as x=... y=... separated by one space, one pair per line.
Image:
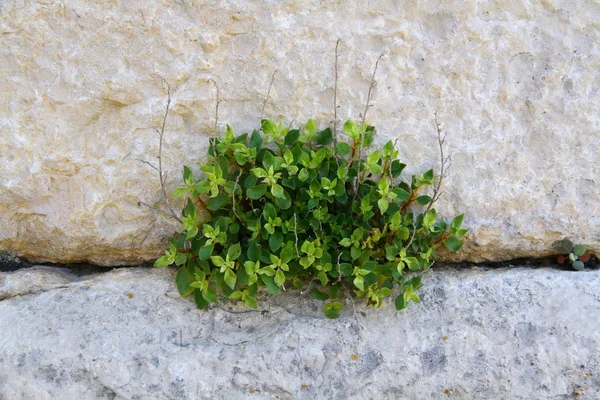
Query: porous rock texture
x=515 y=85
x=516 y=333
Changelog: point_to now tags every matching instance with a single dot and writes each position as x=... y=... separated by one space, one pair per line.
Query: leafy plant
x=576 y=255
x=297 y=208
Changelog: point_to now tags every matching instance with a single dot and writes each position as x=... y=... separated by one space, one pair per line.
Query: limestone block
x=517 y=333
x=514 y=83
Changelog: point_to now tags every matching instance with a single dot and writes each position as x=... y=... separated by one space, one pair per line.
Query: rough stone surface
x=126 y=334
x=515 y=84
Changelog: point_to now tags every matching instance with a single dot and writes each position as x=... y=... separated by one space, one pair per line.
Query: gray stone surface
x=478 y=334
x=515 y=84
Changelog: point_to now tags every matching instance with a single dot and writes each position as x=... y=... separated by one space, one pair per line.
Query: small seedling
x=576 y=255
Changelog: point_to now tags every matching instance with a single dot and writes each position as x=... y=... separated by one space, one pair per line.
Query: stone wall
x=515 y=83
x=516 y=333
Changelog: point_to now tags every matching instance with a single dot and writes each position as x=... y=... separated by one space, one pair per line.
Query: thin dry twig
x=444 y=166
x=218 y=101
x=307 y=291
x=335 y=87
x=162 y=176
x=354 y=313
x=368 y=104
x=262 y=112
x=445 y=162
x=363 y=122
x=148 y=163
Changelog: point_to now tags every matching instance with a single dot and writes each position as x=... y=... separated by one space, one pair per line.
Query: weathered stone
x=514 y=83
x=127 y=334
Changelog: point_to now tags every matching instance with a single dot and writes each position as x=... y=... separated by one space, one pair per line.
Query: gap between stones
x=9 y=263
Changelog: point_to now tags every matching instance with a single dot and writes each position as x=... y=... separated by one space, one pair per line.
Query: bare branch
x=147 y=163
x=141 y=203
x=444 y=166
x=162 y=176
x=335 y=86
x=262 y=112
x=307 y=291
x=371 y=85
x=354 y=313
x=217 y=103
x=363 y=127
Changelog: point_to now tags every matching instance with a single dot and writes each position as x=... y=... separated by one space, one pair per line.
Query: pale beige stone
x=515 y=84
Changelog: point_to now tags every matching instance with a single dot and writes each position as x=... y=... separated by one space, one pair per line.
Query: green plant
x=295 y=207
x=576 y=255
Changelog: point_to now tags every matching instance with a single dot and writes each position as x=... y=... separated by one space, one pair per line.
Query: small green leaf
x=205 y=252
x=579 y=250
x=355 y=252
x=401 y=194
x=343 y=148
x=235 y=295
x=234 y=251
x=180 y=259
x=253 y=252
x=422 y=200
x=217 y=260
x=383 y=205
x=179 y=193
x=412 y=263
x=397 y=168
x=303 y=175
x=346 y=242
x=292 y=137
x=279 y=278
x=163 y=262
x=275 y=241
x=268 y=127
x=359 y=282
x=183 y=280
x=214 y=203
x=578 y=265
x=230 y=278
x=391 y=252
x=383 y=292
x=317 y=294
x=324 y=137
x=284 y=202
x=256 y=192
x=453 y=243
x=209 y=294
x=322 y=276
x=201 y=303
x=565 y=246
x=400 y=302
x=187 y=174
x=332 y=310
x=457 y=221
x=278 y=191
x=269 y=212
x=255 y=140
x=287 y=254
x=251 y=302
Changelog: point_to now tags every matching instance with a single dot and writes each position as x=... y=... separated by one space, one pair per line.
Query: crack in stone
x=31 y=293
